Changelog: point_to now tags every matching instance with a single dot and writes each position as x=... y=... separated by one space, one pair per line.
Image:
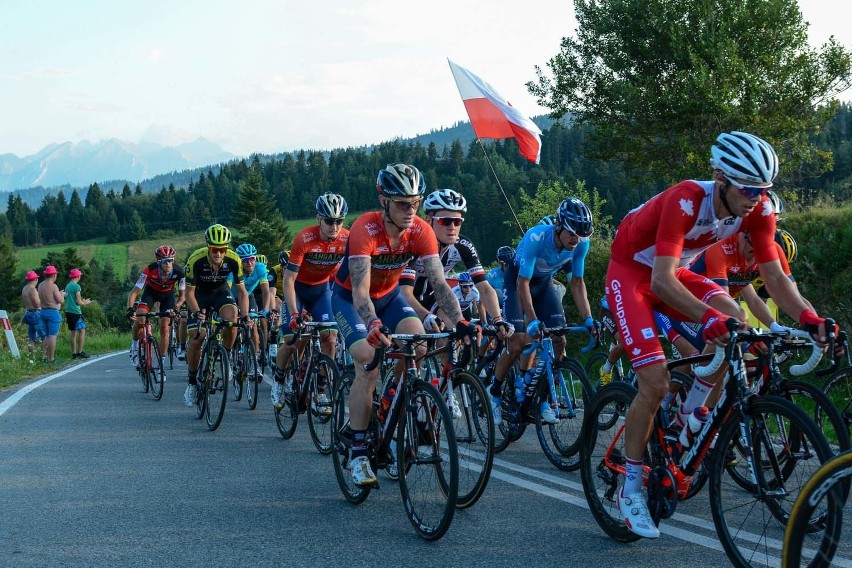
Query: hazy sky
x=271 y=75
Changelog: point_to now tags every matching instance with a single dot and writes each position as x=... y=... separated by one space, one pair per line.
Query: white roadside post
x=10 y=336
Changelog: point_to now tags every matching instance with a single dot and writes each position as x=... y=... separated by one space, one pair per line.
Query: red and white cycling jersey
x=314 y=258
x=681 y=222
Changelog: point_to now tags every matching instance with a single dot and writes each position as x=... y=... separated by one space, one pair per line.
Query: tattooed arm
x=443 y=294
x=359 y=274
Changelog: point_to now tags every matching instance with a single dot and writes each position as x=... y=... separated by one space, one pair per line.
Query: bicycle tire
x=748 y=525
x=142 y=358
x=263 y=349
x=474 y=431
x=839 y=390
x=217 y=377
x=603 y=439
x=340 y=448
x=238 y=372
x=592 y=369
x=155 y=370
x=252 y=374
x=319 y=423
x=561 y=441
x=172 y=349
x=506 y=431
x=287 y=411
x=427 y=448
x=825 y=484
x=201 y=386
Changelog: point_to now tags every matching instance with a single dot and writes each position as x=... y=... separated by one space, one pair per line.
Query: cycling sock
x=279 y=375
x=697 y=397
x=632 y=477
x=193 y=376
x=496 y=386
x=359 y=443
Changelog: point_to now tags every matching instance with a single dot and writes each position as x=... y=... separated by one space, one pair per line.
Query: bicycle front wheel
x=602 y=457
x=839 y=390
x=786 y=448
x=341 y=441
x=560 y=440
x=428 y=461
x=143 y=356
x=823 y=490
x=473 y=423
x=238 y=371
x=287 y=410
x=155 y=369
x=320 y=411
x=217 y=375
x=172 y=346
x=252 y=374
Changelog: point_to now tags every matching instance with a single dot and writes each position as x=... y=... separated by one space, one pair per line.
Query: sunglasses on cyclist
x=468 y=286
x=249 y=259
x=406 y=205
x=166 y=260
x=449 y=221
x=332 y=222
x=750 y=191
x=219 y=250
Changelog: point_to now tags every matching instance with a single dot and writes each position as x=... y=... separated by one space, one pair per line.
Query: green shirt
x=71 y=305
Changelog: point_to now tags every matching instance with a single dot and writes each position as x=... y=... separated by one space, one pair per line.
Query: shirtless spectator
x=32 y=317
x=51 y=300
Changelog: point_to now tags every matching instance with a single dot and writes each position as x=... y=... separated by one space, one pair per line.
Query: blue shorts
x=52 y=320
x=316 y=299
x=390 y=308
x=75 y=321
x=35 y=331
x=692 y=332
x=546 y=299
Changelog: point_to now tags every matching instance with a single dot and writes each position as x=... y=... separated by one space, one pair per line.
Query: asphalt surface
x=94 y=472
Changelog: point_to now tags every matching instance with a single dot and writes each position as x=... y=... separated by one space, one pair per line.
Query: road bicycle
x=173 y=341
x=839 y=386
x=469 y=405
x=822 y=491
x=560 y=384
x=780 y=445
x=148 y=354
x=245 y=375
x=214 y=370
x=426 y=450
x=310 y=379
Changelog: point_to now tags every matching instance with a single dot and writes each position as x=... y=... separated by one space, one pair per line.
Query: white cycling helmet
x=775 y=201
x=400 y=180
x=445 y=200
x=744 y=156
x=331 y=206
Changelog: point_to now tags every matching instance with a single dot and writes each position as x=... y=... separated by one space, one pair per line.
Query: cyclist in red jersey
x=305 y=285
x=647 y=272
x=366 y=299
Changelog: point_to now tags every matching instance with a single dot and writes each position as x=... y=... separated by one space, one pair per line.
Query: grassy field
x=137 y=253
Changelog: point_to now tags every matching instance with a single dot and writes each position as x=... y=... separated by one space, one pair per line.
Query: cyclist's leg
x=225 y=303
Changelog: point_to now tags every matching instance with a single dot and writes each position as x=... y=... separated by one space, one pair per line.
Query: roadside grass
x=116 y=253
x=14 y=371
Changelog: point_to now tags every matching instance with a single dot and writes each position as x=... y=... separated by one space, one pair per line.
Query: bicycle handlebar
x=562 y=331
x=404 y=337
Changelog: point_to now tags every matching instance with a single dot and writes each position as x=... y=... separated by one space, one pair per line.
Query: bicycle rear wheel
x=428 y=461
x=217 y=375
x=787 y=449
x=474 y=428
x=341 y=441
x=320 y=411
x=155 y=369
x=561 y=441
x=287 y=411
x=602 y=457
x=839 y=390
x=822 y=490
x=252 y=374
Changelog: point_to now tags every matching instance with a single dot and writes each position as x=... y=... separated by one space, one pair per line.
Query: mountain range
x=86 y=162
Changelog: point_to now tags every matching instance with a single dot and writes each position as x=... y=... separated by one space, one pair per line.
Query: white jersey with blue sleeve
x=537 y=256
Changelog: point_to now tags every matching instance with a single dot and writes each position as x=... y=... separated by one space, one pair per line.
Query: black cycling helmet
x=400 y=180
x=505 y=254
x=575 y=216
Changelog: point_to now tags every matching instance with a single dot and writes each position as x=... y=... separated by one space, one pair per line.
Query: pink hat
x=31 y=275
x=50 y=270
x=75 y=272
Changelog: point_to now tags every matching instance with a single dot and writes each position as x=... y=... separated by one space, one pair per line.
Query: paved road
x=96 y=473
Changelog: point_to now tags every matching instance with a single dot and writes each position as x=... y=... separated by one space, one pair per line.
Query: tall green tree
x=10 y=284
x=659 y=79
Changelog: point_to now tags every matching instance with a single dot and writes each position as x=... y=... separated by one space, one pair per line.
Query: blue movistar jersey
x=537 y=257
x=258 y=275
x=495 y=278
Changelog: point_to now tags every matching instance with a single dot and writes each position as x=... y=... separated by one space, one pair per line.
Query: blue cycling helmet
x=464 y=278
x=548 y=220
x=246 y=250
x=505 y=254
x=575 y=216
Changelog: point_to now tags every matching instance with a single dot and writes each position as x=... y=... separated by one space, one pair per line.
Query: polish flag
x=492 y=116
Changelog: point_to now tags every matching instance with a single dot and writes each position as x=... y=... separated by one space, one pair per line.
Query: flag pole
x=490 y=165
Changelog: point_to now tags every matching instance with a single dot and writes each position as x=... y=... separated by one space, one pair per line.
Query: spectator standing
x=32 y=317
x=51 y=300
x=74 y=302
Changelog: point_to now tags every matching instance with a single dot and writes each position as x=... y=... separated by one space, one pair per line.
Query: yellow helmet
x=217 y=235
x=261 y=258
x=788 y=245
